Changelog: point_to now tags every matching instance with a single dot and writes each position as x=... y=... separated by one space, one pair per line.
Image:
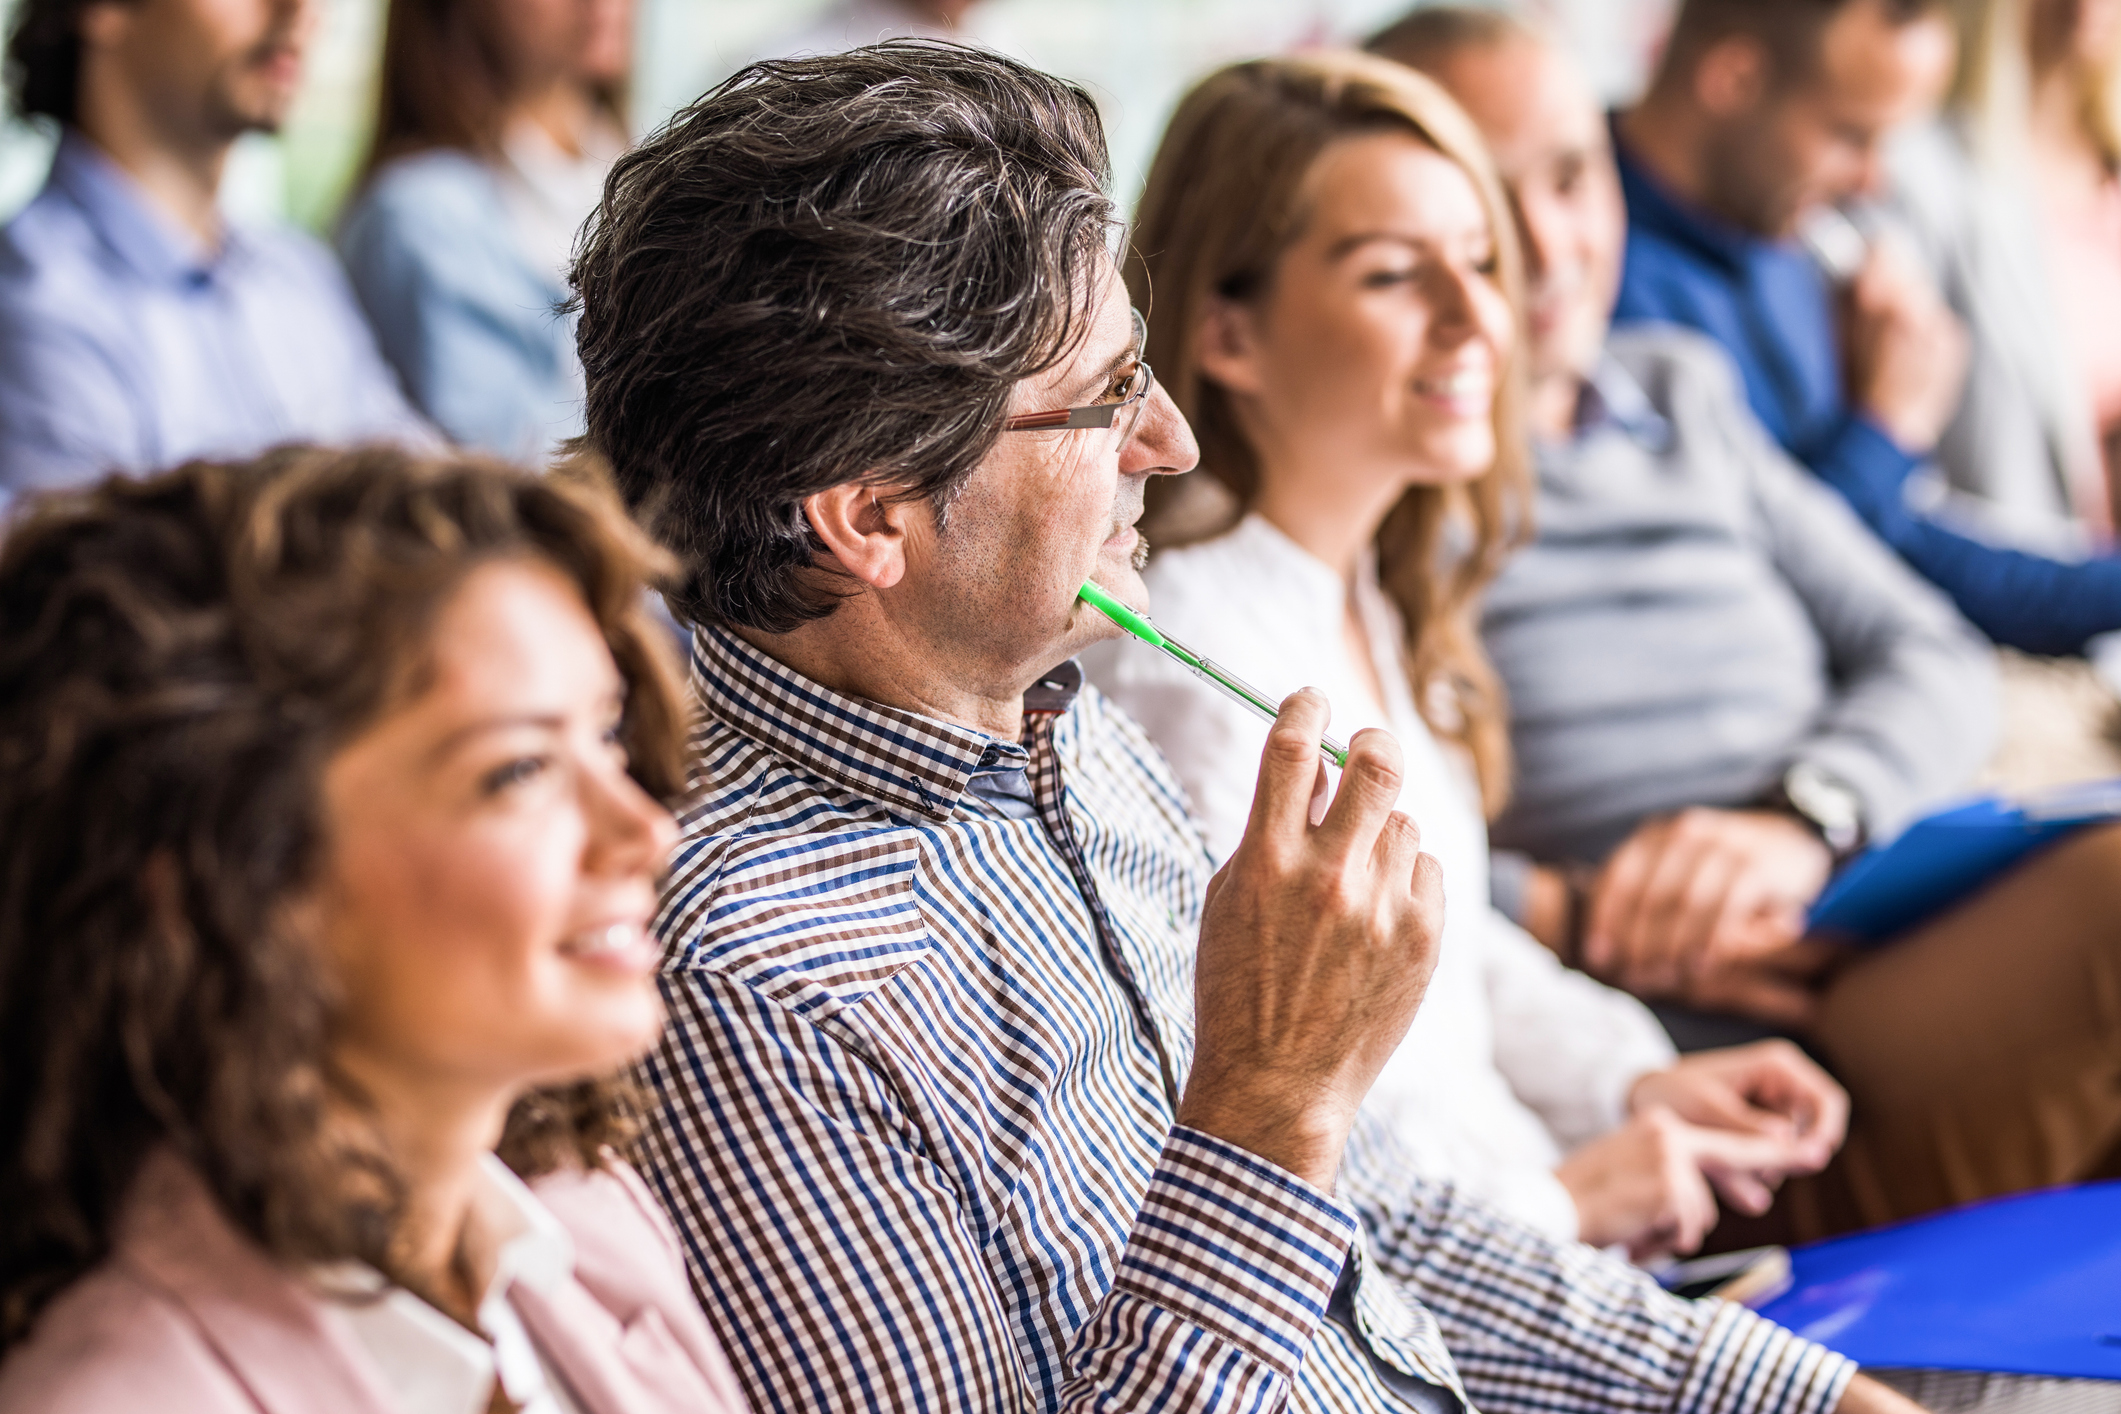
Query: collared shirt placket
x=1050 y=791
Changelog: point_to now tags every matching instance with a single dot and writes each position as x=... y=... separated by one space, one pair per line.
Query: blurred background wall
x=1137 y=56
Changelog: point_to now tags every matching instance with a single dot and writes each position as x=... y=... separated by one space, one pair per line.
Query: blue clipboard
x=2028 y=1285
x=1943 y=858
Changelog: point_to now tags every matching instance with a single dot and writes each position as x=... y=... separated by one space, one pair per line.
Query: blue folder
x=1943 y=858
x=2029 y=1285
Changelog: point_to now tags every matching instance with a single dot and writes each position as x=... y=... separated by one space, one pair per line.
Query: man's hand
x=1646 y=1185
x=1316 y=946
x=1769 y=1089
x=1907 y=353
x=1693 y=896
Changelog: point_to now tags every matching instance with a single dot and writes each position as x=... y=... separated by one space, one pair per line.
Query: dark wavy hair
x=179 y=658
x=830 y=270
x=43 y=68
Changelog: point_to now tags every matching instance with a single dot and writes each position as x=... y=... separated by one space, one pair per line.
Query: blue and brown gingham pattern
x=916 y=1102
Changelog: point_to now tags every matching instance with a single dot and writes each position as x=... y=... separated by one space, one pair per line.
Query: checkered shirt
x=915 y=1106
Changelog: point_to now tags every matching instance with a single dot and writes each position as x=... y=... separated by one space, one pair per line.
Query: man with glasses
x=979 y=1094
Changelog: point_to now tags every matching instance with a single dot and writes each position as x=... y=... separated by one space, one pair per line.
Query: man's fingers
x=1613 y=897
x=1647 y=938
x=1398 y=848
x=1288 y=770
x=1369 y=788
x=1704 y=889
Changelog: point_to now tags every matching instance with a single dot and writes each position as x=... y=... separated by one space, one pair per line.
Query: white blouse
x=432 y=1364
x=1513 y=1059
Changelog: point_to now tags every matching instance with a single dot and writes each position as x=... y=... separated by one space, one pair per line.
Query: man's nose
x=1163 y=442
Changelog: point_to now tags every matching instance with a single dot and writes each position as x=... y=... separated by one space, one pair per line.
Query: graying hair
x=829 y=270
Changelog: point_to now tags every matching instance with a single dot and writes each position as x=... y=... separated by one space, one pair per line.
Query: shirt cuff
x=1238 y=1247
x=1750 y=1364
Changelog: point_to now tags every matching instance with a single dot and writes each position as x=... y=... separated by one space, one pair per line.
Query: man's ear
x=865 y=528
x=1230 y=346
x=1732 y=76
x=103 y=23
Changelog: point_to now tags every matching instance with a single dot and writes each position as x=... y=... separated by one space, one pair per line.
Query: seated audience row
x=1343 y=364
x=1760 y=118
x=978 y=1091
x=495 y=124
x=140 y=326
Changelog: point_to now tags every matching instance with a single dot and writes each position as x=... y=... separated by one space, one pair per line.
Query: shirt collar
x=884 y=753
x=1612 y=398
x=156 y=247
x=435 y=1366
x=1660 y=212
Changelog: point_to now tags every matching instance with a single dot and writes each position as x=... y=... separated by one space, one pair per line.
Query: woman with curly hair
x=330 y=789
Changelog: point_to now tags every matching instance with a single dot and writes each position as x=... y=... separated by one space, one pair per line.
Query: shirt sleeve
x=840 y=1266
x=434 y=275
x=1914 y=714
x=1570 y=1046
x=1537 y=1325
x=66 y=415
x=2019 y=599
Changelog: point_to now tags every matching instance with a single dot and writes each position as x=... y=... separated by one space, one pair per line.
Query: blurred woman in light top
x=1333 y=271
x=496 y=121
x=330 y=785
x=2014 y=196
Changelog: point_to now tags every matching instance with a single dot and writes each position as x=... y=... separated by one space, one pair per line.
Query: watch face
x=1831 y=805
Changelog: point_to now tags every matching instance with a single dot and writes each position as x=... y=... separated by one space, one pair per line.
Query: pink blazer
x=188 y=1316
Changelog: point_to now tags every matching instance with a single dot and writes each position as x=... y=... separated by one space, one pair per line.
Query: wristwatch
x=1818 y=798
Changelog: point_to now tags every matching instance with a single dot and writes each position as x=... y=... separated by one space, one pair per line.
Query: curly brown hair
x=179 y=658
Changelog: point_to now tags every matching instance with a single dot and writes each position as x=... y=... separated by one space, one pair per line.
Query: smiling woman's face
x=1379 y=341
x=491 y=868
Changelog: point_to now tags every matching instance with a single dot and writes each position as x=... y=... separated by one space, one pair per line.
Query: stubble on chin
x=1140 y=557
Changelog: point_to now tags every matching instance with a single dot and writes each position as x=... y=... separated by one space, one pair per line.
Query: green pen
x=1221 y=679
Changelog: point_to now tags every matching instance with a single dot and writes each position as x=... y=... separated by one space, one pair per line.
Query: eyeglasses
x=1119 y=413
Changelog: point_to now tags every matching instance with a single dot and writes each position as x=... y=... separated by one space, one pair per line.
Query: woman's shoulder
x=1209 y=581
x=624 y=1242
x=113 y=1340
x=439 y=201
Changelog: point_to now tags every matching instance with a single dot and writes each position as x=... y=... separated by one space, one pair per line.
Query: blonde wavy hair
x=1223 y=202
x=1992 y=89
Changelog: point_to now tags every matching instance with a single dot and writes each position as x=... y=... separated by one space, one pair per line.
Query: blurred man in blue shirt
x=138 y=325
x=1763 y=114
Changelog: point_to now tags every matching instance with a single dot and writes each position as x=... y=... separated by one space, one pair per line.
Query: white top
x=549 y=192
x=434 y=1365
x=849 y=24
x=1513 y=1059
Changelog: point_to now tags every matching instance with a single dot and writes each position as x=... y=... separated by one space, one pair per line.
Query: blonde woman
x=2015 y=197
x=1334 y=275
